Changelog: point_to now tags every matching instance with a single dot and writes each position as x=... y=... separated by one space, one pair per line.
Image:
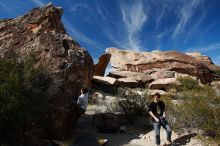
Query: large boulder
x=106 y=84
x=124 y=74
x=163 y=84
x=104 y=80
x=128 y=82
x=41 y=32
x=111 y=83
x=131 y=79
x=161 y=74
x=127 y=60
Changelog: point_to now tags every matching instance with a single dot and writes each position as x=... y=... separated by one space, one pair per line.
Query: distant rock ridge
x=200 y=57
x=205 y=59
x=41 y=32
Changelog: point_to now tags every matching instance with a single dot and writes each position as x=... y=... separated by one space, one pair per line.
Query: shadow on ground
x=183 y=140
x=86 y=127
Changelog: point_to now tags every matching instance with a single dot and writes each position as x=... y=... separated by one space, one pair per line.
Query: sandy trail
x=132 y=137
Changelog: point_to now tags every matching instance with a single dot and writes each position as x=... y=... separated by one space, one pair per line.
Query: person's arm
x=164 y=114
x=152 y=115
x=79 y=100
x=164 y=111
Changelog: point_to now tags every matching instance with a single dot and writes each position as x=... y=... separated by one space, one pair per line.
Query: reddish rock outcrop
x=126 y=60
x=206 y=60
x=41 y=32
x=102 y=64
x=200 y=57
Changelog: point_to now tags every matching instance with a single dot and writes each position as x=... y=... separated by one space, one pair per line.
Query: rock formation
x=144 y=62
x=102 y=64
x=206 y=60
x=41 y=32
x=156 y=69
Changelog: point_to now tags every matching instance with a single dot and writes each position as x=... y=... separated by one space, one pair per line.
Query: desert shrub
x=24 y=109
x=217 y=88
x=132 y=104
x=217 y=72
x=187 y=83
x=196 y=108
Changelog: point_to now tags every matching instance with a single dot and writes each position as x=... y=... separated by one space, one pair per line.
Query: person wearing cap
x=157 y=112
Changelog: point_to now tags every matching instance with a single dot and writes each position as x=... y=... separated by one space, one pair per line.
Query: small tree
x=24 y=102
x=217 y=72
x=133 y=105
x=187 y=83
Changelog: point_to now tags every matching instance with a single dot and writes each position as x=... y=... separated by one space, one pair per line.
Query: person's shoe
x=167 y=143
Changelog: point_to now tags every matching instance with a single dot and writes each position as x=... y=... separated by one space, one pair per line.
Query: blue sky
x=141 y=25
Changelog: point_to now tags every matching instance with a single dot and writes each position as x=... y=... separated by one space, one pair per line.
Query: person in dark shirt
x=157 y=112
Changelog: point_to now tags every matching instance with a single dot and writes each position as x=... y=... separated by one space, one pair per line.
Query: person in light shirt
x=83 y=100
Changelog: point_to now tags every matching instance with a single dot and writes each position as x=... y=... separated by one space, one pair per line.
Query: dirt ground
x=133 y=136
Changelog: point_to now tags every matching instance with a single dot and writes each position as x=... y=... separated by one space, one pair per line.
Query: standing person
x=79 y=108
x=157 y=112
x=82 y=101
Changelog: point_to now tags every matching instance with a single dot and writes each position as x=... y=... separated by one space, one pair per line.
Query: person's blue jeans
x=167 y=128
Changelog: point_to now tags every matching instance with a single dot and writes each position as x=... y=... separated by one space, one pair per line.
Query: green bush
x=196 y=109
x=132 y=104
x=24 y=108
x=217 y=72
x=187 y=83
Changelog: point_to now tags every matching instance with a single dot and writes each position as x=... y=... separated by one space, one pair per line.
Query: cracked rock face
x=143 y=62
x=41 y=32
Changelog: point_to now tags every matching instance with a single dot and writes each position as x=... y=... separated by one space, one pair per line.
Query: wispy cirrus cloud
x=186 y=13
x=102 y=12
x=4 y=6
x=160 y=35
x=133 y=17
x=117 y=39
x=163 y=34
x=162 y=12
x=216 y=60
x=78 y=7
x=195 y=27
x=38 y=2
x=204 y=49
